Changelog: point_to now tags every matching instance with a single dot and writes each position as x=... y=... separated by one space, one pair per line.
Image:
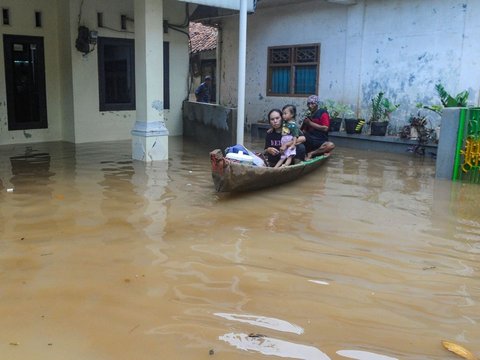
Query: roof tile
x=202 y=38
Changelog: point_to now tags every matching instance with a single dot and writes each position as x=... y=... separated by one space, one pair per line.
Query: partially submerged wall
x=72 y=89
x=22 y=15
x=208 y=124
x=91 y=124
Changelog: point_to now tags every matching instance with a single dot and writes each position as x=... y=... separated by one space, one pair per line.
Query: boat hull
x=230 y=176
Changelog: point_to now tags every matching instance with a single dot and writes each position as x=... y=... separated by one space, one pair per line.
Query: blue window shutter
x=305 y=79
x=280 y=80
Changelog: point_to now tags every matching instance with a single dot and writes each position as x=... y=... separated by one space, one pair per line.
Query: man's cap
x=312 y=99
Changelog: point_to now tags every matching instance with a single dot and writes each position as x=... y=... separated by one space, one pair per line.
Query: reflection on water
x=363 y=355
x=102 y=257
x=275 y=347
x=269 y=323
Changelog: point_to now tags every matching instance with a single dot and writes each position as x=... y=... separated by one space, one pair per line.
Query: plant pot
x=437 y=134
x=378 y=128
x=353 y=126
x=335 y=124
x=413 y=133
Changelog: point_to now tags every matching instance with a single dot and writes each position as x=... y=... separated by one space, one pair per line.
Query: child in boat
x=290 y=134
x=288 y=147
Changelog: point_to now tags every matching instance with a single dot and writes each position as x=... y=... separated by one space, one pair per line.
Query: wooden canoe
x=229 y=176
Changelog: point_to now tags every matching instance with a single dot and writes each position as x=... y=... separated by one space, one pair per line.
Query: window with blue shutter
x=293 y=70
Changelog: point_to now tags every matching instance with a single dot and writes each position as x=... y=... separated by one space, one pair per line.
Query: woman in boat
x=273 y=139
x=315 y=128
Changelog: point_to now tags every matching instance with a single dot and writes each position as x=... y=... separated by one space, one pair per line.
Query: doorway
x=25 y=82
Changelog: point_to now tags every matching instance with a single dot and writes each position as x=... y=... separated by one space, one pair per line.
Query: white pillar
x=447 y=144
x=242 y=55
x=149 y=135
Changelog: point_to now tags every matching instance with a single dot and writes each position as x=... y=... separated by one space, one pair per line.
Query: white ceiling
x=271 y=3
x=261 y=4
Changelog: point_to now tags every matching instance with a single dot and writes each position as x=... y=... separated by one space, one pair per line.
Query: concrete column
x=447 y=144
x=354 y=43
x=149 y=135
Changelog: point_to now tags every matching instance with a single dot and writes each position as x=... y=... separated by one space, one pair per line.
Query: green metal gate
x=467 y=158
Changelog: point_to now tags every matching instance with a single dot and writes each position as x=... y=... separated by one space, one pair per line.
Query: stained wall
x=22 y=22
x=400 y=47
x=72 y=77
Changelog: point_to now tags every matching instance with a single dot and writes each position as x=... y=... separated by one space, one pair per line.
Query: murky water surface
x=105 y=258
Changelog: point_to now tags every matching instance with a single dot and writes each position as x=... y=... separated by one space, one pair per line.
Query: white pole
x=242 y=54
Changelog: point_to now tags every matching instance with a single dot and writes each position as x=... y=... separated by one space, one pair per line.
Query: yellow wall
x=22 y=23
x=72 y=78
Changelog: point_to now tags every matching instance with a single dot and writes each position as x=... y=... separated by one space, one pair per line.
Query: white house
x=93 y=70
x=67 y=65
x=349 y=50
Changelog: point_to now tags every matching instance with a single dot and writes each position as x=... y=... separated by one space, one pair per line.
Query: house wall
x=22 y=22
x=174 y=12
x=401 y=47
x=94 y=125
x=90 y=123
x=72 y=77
x=409 y=46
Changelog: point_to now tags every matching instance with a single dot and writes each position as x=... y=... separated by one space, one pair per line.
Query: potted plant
x=337 y=112
x=382 y=108
x=447 y=100
x=353 y=125
x=420 y=129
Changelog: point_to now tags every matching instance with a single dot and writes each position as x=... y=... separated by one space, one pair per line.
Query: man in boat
x=315 y=128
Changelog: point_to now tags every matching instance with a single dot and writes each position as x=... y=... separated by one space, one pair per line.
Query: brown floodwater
x=105 y=258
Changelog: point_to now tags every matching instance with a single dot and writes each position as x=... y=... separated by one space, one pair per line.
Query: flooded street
x=104 y=258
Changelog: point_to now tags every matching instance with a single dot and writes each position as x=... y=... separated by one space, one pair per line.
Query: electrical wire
x=173 y=27
x=80 y=12
x=186 y=21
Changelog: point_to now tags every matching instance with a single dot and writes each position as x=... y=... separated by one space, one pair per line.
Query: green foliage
x=382 y=108
x=460 y=100
x=435 y=108
x=338 y=109
x=330 y=105
x=305 y=114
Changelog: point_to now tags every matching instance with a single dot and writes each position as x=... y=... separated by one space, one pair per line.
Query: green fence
x=467 y=157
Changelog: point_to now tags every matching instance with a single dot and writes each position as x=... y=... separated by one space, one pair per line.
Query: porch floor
x=391 y=144
x=378 y=143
